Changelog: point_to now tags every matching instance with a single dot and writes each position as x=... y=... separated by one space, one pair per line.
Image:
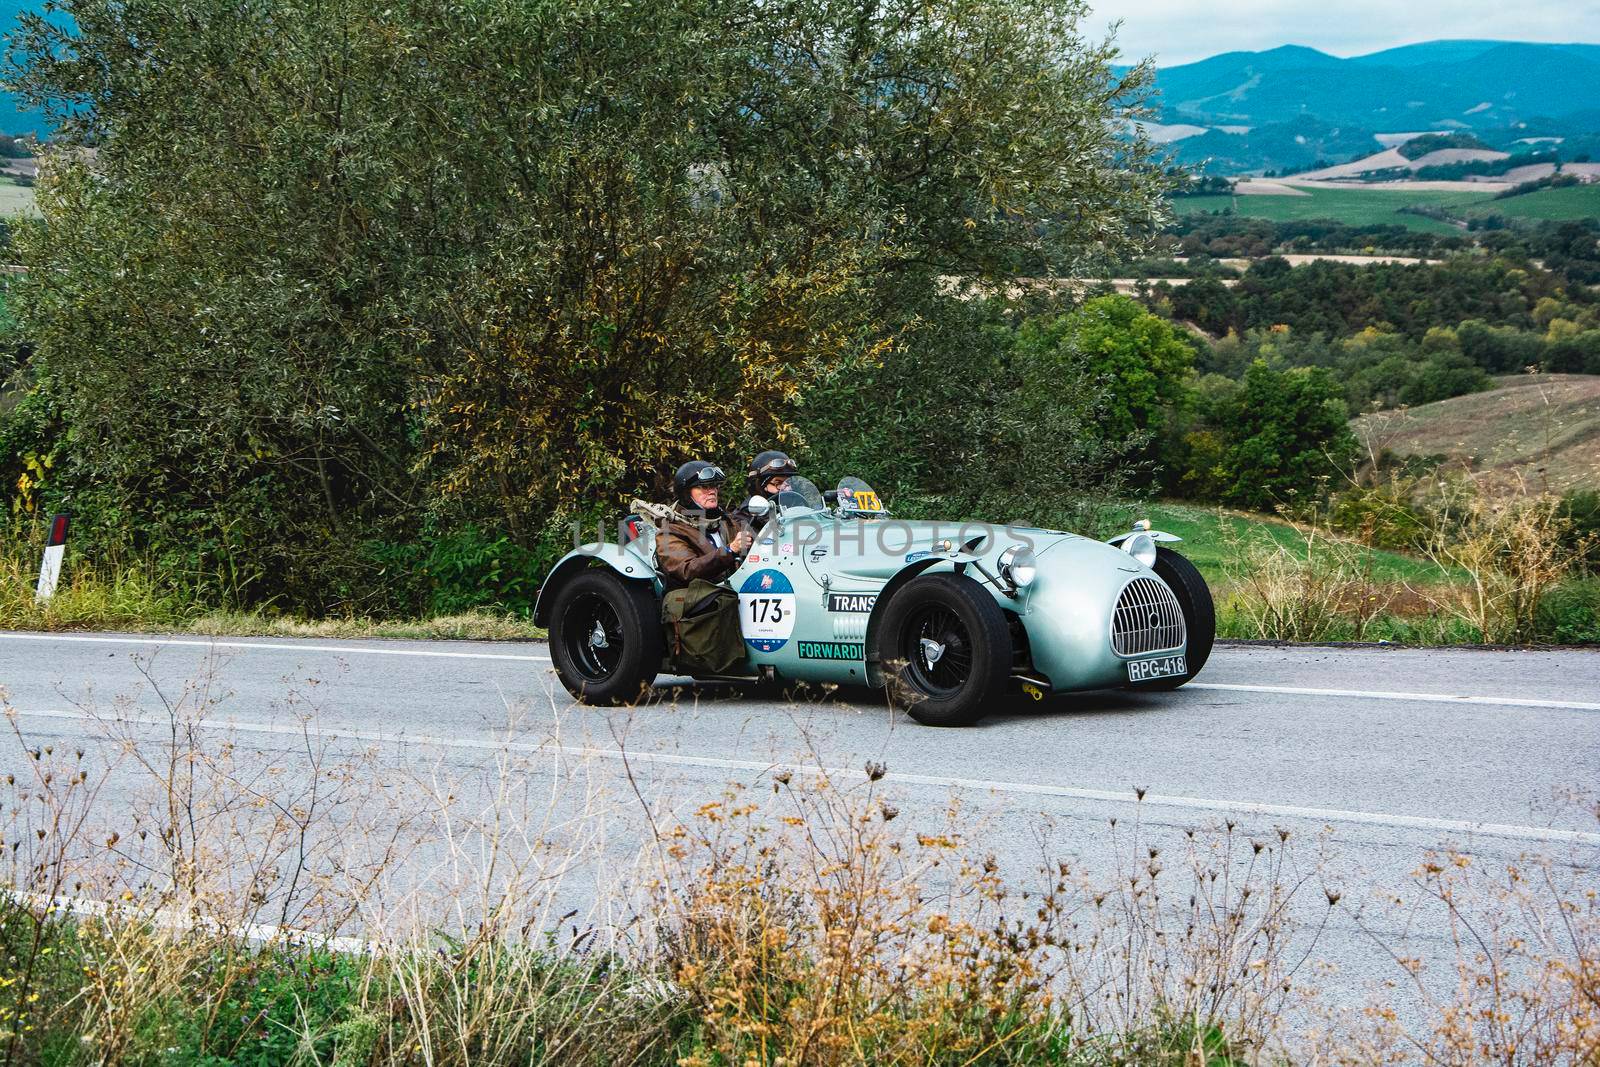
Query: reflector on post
x=50 y=566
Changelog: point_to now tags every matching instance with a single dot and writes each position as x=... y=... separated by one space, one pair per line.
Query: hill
x=1542 y=429
x=1433 y=86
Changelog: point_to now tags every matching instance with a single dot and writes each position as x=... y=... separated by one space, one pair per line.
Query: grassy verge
x=1271 y=579
x=483 y=625
x=129 y=596
x=793 y=918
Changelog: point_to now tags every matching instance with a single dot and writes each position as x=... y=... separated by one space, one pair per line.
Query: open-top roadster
x=834 y=590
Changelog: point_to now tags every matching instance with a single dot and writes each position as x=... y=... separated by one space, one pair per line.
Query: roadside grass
x=1354 y=207
x=127 y=595
x=480 y=625
x=1270 y=579
x=181 y=896
x=1275 y=580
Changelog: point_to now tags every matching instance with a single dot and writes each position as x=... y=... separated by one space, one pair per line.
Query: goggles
x=708 y=476
x=777 y=465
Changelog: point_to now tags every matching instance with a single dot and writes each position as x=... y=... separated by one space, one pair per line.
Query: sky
x=1180 y=31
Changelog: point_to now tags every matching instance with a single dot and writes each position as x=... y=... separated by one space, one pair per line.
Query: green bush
x=1383 y=515
x=1274 y=440
x=1569 y=613
x=1581 y=509
x=988 y=419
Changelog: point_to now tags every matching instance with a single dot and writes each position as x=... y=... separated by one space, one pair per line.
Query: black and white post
x=50 y=566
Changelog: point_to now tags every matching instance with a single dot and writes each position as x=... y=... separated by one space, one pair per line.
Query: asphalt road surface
x=1368 y=758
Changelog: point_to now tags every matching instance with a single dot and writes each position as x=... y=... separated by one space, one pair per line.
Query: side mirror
x=758 y=505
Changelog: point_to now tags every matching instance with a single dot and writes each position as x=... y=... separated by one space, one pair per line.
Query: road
x=1367 y=758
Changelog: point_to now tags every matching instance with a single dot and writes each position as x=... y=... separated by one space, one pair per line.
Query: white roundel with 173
x=766 y=610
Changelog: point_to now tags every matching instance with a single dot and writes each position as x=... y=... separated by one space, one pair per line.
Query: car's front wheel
x=1199 y=613
x=606 y=637
x=944 y=642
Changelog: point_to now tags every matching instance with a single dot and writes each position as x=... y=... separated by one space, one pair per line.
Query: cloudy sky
x=1178 y=31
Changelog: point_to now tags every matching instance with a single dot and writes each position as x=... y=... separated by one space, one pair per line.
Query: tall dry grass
x=182 y=893
x=1510 y=551
x=1496 y=559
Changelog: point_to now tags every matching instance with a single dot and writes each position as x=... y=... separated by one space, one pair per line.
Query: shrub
x=1511 y=550
x=1286 y=434
x=1581 y=509
x=1568 y=613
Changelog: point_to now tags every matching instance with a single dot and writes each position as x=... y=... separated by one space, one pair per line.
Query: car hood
x=874 y=551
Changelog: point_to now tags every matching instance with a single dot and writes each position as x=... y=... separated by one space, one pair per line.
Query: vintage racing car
x=835 y=590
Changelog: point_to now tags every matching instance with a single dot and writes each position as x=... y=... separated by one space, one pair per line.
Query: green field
x=1208 y=532
x=1569 y=202
x=14 y=199
x=1354 y=207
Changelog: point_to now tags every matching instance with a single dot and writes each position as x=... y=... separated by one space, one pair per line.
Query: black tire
x=974 y=648
x=1199 y=613
x=625 y=618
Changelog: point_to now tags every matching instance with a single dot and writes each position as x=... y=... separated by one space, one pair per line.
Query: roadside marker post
x=50 y=565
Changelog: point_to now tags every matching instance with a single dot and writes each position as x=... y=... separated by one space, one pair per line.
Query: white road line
x=259 y=933
x=297 y=645
x=1425 y=698
x=667 y=759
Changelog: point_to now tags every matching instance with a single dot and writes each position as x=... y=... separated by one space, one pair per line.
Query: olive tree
x=307 y=272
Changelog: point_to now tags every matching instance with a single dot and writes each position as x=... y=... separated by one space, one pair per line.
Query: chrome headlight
x=1142 y=547
x=1019 y=566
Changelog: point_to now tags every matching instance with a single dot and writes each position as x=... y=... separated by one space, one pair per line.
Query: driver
x=700 y=541
x=768 y=476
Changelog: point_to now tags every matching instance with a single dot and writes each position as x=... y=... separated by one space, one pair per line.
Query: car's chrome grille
x=1148 y=619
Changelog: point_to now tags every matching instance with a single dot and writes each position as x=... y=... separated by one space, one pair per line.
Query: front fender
x=620 y=558
x=953 y=560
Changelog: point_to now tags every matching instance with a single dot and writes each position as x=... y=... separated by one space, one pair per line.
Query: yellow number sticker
x=867 y=501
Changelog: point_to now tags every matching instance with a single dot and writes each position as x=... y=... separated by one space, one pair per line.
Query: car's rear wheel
x=946 y=643
x=1199 y=613
x=606 y=638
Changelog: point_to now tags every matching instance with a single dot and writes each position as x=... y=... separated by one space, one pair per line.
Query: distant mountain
x=1411 y=55
x=1433 y=85
x=15 y=118
x=1298 y=144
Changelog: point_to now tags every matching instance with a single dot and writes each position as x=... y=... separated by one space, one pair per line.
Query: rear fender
x=620 y=558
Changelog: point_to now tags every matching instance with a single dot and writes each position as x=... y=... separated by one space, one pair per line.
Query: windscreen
x=802 y=494
x=858 y=498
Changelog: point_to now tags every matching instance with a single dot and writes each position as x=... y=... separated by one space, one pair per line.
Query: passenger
x=697 y=548
x=768 y=476
x=700 y=541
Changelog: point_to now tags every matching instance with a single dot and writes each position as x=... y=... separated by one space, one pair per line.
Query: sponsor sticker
x=817 y=554
x=912 y=557
x=843 y=650
x=861 y=602
x=766 y=610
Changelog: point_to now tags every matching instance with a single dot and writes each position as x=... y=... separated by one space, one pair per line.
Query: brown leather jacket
x=684 y=552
